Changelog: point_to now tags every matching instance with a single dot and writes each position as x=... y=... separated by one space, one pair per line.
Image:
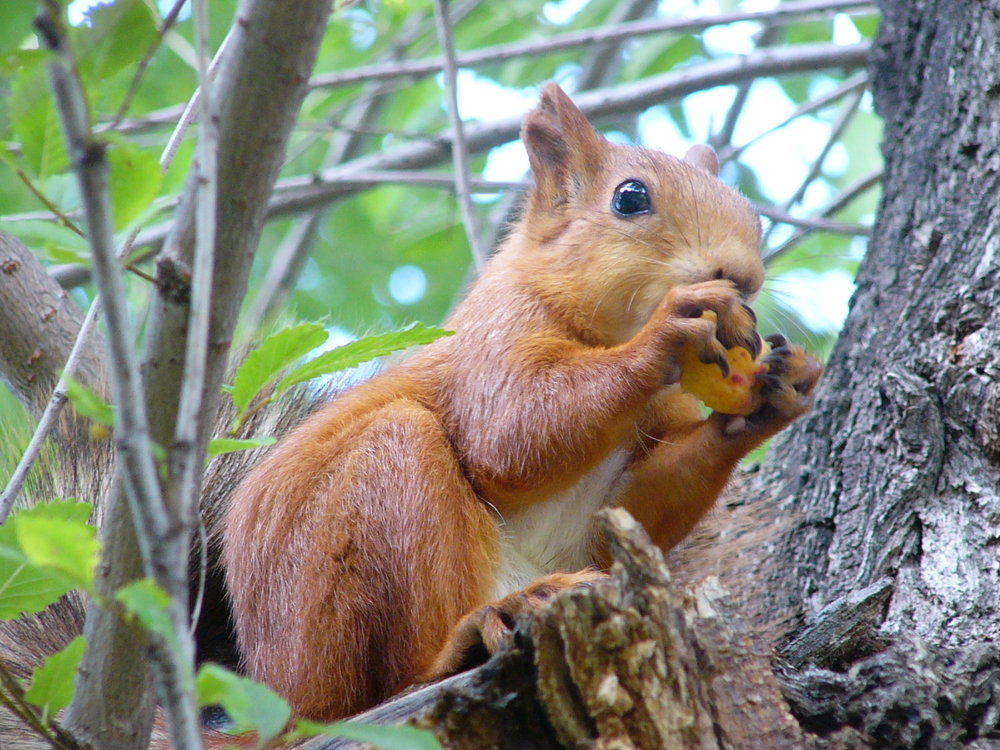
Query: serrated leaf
x=249 y=704
x=52 y=683
x=88 y=404
x=384 y=737
x=133 y=181
x=276 y=352
x=24 y=587
x=362 y=350
x=220 y=446
x=69 y=547
x=149 y=603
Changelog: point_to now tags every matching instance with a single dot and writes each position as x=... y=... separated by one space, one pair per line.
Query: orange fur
x=369 y=533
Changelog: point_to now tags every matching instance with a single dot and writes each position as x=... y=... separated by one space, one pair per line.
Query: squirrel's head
x=622 y=225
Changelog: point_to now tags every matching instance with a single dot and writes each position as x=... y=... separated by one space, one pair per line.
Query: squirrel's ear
x=703 y=157
x=562 y=146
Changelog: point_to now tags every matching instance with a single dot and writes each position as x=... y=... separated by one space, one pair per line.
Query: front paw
x=482 y=632
x=706 y=320
x=783 y=390
x=792 y=374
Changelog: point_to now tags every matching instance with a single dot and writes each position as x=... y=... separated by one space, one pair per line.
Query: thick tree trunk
x=894 y=479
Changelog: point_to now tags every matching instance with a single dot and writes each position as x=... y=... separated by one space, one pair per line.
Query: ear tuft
x=561 y=143
x=703 y=157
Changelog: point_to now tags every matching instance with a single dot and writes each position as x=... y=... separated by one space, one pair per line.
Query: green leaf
x=35 y=123
x=88 y=404
x=362 y=350
x=387 y=738
x=219 y=446
x=134 y=181
x=68 y=546
x=249 y=704
x=276 y=352
x=62 y=244
x=52 y=683
x=25 y=587
x=149 y=603
x=16 y=27
x=117 y=35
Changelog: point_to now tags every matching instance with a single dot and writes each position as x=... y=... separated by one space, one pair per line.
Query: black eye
x=630 y=198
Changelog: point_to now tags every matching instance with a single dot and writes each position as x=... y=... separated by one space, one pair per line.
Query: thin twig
x=65 y=220
x=852 y=84
x=153 y=526
x=836 y=130
x=12 y=697
x=848 y=195
x=133 y=88
x=49 y=417
x=184 y=454
x=626 y=30
x=192 y=107
x=814 y=222
x=459 y=149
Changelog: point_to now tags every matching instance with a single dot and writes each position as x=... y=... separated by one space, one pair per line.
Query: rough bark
x=637 y=662
x=893 y=479
x=39 y=324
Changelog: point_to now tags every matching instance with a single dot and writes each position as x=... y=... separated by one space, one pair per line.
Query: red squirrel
x=404 y=523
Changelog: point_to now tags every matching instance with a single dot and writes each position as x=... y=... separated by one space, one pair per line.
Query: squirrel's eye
x=630 y=198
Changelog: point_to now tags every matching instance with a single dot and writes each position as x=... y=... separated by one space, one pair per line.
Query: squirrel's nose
x=747 y=283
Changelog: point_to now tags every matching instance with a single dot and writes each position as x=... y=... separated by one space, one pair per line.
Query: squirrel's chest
x=556 y=534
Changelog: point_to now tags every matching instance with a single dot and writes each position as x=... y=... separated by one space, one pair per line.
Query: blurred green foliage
x=393 y=254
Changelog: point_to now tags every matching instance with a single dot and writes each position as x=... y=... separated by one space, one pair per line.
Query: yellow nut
x=732 y=394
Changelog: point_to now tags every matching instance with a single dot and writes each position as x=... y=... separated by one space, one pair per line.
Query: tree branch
x=852 y=84
x=134 y=446
x=40 y=324
x=300 y=193
x=459 y=149
x=627 y=30
x=848 y=195
x=296 y=194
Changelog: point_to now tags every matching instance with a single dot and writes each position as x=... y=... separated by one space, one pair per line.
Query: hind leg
x=483 y=631
x=352 y=595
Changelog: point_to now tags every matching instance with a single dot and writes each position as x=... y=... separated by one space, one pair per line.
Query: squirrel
x=393 y=535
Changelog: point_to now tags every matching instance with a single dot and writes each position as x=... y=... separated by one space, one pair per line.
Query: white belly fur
x=555 y=535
